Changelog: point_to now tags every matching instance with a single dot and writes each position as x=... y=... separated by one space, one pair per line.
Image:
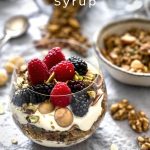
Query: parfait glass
x=53 y=126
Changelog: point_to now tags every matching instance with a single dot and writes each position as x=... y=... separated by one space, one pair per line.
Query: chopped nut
x=14 y=141
x=20 y=81
x=138 y=121
x=128 y=39
x=3 y=77
x=29 y=109
x=23 y=68
x=51 y=78
x=63 y=117
x=145 y=49
x=92 y=94
x=136 y=64
x=32 y=119
x=120 y=110
x=77 y=77
x=45 y=108
x=9 y=67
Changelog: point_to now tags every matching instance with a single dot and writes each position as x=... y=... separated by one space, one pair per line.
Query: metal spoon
x=14 y=27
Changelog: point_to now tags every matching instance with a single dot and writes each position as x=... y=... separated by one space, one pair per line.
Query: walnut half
x=120 y=110
x=138 y=121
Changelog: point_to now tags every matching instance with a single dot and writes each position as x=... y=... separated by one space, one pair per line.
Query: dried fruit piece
x=63 y=117
x=45 y=108
x=120 y=110
x=144 y=142
x=32 y=119
x=138 y=121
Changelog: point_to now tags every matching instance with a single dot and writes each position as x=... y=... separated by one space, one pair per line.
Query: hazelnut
x=46 y=108
x=136 y=64
x=9 y=67
x=3 y=77
x=17 y=61
x=63 y=117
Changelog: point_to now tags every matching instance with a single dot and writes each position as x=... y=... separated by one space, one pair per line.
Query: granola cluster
x=130 y=51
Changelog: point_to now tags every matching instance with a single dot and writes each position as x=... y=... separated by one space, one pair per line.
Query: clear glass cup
x=40 y=121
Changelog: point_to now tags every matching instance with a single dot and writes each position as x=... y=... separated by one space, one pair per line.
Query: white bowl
x=119 y=27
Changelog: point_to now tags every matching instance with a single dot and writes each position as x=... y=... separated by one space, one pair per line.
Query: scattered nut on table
x=144 y=142
x=138 y=121
x=17 y=60
x=3 y=77
x=9 y=67
x=120 y=110
x=14 y=141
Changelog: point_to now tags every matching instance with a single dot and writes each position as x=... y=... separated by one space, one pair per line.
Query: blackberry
x=76 y=86
x=80 y=104
x=79 y=64
x=32 y=94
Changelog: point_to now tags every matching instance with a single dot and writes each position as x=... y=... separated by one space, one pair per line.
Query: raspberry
x=53 y=57
x=79 y=64
x=59 y=95
x=37 y=71
x=76 y=86
x=80 y=104
x=64 y=71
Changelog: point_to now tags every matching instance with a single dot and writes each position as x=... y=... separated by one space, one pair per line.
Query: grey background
x=110 y=131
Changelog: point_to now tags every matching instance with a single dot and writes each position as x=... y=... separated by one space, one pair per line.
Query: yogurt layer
x=48 y=122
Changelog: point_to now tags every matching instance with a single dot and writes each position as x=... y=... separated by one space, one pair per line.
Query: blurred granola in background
x=63 y=24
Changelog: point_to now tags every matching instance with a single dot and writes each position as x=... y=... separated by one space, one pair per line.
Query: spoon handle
x=4 y=40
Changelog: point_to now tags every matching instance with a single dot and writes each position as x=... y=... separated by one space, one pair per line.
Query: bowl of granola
x=124 y=49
